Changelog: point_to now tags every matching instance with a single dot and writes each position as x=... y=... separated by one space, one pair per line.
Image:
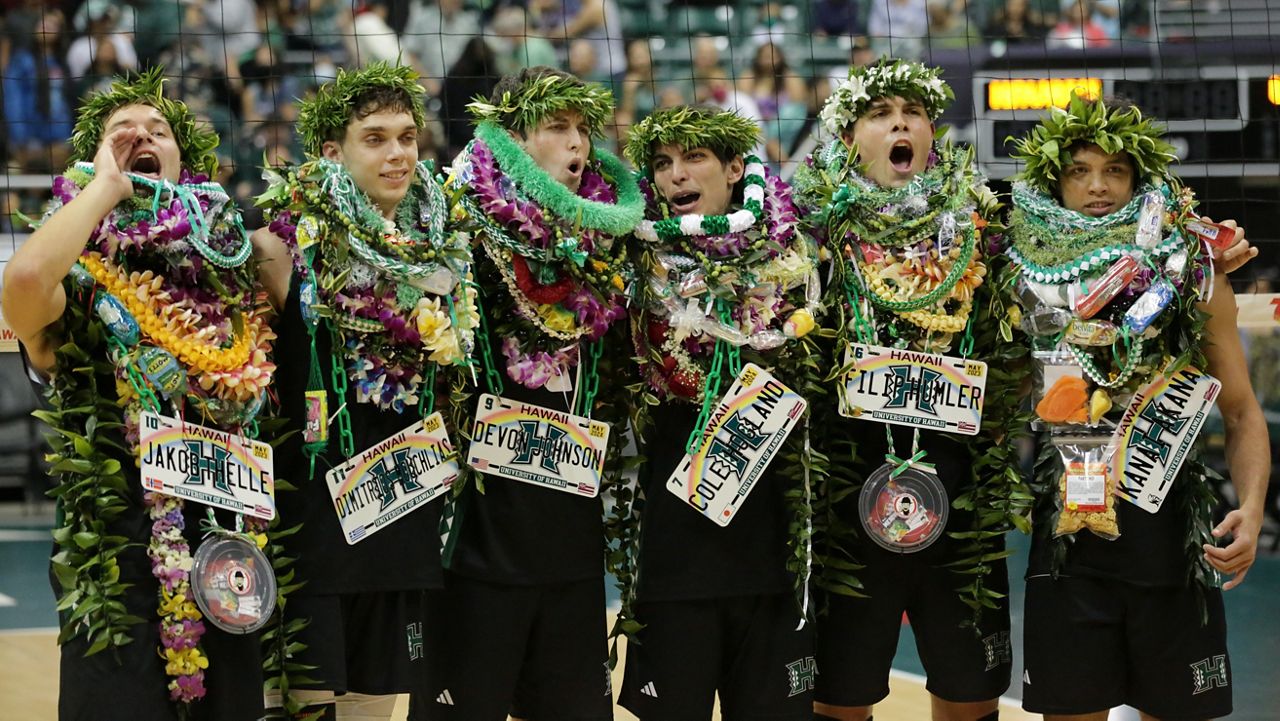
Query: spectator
x=771 y=25
x=318 y=25
x=583 y=63
x=124 y=17
x=158 y=24
x=229 y=32
x=517 y=48
x=1019 y=21
x=1106 y=15
x=860 y=56
x=780 y=96
x=436 y=34
x=102 y=21
x=106 y=65
x=707 y=68
x=949 y=28
x=898 y=28
x=670 y=96
x=838 y=18
x=1077 y=30
x=596 y=20
x=372 y=39
x=474 y=75
x=639 y=94
x=37 y=110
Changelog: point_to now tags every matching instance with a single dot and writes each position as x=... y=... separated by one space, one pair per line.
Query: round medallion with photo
x=903 y=509
x=233 y=584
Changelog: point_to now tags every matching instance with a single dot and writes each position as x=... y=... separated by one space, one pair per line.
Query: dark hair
x=512 y=82
x=377 y=99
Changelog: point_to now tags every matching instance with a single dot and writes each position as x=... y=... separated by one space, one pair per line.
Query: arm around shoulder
x=275 y=267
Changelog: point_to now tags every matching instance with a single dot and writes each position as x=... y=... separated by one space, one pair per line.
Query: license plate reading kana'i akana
x=206 y=465
x=744 y=433
x=383 y=483
x=542 y=446
x=911 y=388
x=1156 y=434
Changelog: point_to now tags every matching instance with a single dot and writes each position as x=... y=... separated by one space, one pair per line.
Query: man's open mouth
x=146 y=163
x=901 y=156
x=685 y=201
x=575 y=167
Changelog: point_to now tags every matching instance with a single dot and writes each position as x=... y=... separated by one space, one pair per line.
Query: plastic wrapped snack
x=1086 y=486
x=1116 y=279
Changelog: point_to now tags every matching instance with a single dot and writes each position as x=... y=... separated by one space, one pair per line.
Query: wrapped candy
x=1091 y=332
x=1149 y=305
x=1150 y=219
x=1117 y=277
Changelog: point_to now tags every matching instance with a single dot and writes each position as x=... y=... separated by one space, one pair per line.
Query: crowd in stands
x=242 y=63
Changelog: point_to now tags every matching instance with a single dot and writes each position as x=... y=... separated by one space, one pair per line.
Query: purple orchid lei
x=592 y=308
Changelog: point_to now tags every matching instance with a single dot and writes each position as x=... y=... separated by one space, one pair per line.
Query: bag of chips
x=1086 y=487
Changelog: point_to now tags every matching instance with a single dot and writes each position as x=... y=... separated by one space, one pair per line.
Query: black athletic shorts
x=746 y=647
x=370 y=643
x=858 y=637
x=131 y=679
x=538 y=652
x=1094 y=644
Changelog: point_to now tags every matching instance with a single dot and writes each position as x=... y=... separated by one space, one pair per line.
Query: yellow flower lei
x=201 y=357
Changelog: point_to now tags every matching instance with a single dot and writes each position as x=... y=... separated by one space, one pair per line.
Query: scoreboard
x=1223 y=121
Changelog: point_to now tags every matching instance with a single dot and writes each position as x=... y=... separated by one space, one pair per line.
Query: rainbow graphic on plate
x=543 y=446
x=206 y=465
x=913 y=388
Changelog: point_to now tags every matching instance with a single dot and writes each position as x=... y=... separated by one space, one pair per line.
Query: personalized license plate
x=206 y=465
x=744 y=433
x=383 y=483
x=1157 y=432
x=531 y=444
x=910 y=388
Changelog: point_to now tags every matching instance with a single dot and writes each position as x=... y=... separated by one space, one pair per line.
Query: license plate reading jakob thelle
x=910 y=388
x=744 y=433
x=542 y=446
x=383 y=483
x=206 y=465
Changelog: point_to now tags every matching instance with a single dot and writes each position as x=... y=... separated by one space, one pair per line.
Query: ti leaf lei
x=139 y=300
x=885 y=225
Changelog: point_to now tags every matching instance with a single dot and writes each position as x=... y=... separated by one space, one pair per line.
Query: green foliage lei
x=539 y=97
x=844 y=207
x=196 y=142
x=1047 y=149
x=689 y=127
x=885 y=78
x=327 y=114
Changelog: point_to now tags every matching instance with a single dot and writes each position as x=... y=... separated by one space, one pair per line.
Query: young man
x=728 y=278
x=904 y=218
x=134 y=296
x=370 y=284
x=1100 y=612
x=524 y=590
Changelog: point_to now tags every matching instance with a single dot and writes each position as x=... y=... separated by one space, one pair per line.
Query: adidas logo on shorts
x=445 y=698
x=649 y=690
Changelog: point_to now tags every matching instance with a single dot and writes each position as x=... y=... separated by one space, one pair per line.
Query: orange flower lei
x=204 y=357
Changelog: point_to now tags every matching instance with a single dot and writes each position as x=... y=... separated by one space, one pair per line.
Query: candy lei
x=565 y=275
x=917 y=257
x=180 y=329
x=1053 y=244
x=755 y=288
x=396 y=294
x=1062 y=251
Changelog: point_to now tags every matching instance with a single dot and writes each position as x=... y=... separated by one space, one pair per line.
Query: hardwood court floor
x=29 y=685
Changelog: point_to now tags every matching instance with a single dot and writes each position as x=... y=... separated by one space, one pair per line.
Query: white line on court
x=10 y=534
x=6 y=601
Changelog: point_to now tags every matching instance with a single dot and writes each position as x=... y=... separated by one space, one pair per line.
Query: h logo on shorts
x=1209 y=674
x=414 y=634
x=998 y=649
x=802 y=675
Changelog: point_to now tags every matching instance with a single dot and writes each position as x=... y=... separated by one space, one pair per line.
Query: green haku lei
x=332 y=108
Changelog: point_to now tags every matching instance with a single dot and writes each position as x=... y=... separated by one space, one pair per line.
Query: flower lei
x=151 y=296
x=759 y=286
x=397 y=293
x=911 y=253
x=565 y=271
